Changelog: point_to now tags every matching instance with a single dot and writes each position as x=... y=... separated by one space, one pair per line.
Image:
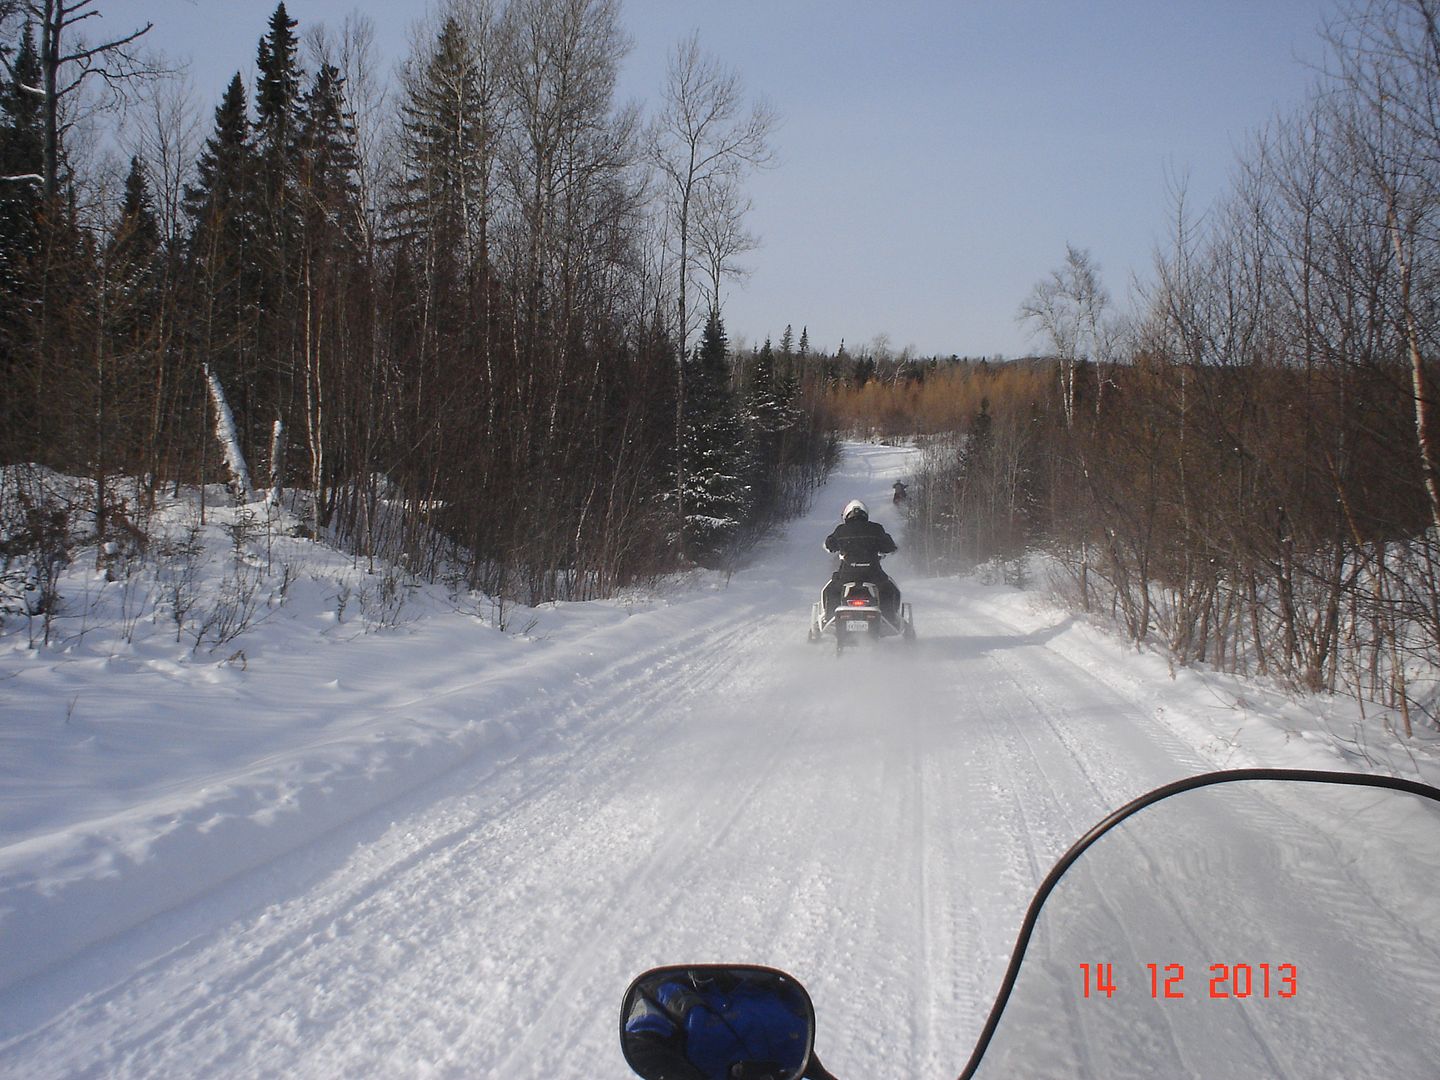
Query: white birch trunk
x=277 y=460
x=229 y=439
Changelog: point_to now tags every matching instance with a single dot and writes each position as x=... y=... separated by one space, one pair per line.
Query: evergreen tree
x=274 y=390
x=132 y=299
x=760 y=386
x=334 y=284
x=226 y=166
x=222 y=246
x=451 y=122
x=278 y=123
x=713 y=451
x=329 y=165
x=135 y=240
x=277 y=114
x=442 y=218
x=444 y=138
x=221 y=203
x=769 y=417
x=47 y=276
x=132 y=265
x=21 y=156
x=767 y=410
x=22 y=140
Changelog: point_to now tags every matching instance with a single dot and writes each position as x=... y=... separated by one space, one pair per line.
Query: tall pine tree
x=226 y=169
x=131 y=307
x=224 y=275
x=135 y=240
x=715 y=494
x=278 y=122
x=143 y=266
x=446 y=205
x=278 y=248
x=767 y=417
x=328 y=162
x=21 y=161
x=335 y=289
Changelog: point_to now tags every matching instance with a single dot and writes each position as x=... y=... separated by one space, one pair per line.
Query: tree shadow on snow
x=969 y=646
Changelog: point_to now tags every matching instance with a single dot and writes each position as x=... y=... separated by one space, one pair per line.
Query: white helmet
x=855 y=508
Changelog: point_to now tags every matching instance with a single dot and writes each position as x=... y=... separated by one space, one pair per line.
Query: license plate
x=857 y=624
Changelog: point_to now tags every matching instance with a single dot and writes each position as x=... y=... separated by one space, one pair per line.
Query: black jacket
x=860 y=541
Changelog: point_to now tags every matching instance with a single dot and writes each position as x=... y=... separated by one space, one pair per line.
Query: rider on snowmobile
x=860 y=542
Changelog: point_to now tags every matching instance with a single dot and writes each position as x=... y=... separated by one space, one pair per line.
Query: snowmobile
x=859 y=615
x=1255 y=922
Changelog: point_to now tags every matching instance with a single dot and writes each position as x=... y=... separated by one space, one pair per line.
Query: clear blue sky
x=935 y=156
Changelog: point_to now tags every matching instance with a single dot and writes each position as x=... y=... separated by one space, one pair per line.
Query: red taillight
x=858 y=603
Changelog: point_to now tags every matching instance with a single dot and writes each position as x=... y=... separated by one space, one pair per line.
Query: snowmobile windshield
x=1258 y=927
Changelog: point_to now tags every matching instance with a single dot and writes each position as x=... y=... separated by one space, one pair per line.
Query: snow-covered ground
x=443 y=850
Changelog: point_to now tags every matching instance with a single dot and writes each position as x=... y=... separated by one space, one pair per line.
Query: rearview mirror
x=717 y=1022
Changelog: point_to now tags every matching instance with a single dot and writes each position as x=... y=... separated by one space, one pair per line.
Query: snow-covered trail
x=874 y=824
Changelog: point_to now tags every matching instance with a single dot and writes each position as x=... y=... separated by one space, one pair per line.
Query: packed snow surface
x=442 y=850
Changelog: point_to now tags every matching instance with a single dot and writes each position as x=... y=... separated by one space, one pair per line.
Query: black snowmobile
x=861 y=602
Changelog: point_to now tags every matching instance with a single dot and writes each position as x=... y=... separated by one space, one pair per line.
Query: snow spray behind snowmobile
x=1257 y=922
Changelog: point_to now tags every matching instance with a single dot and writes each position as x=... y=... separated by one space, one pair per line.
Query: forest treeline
x=442 y=320
x=1245 y=468
x=445 y=325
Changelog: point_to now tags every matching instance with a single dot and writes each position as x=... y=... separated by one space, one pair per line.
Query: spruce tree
x=442 y=216
x=47 y=282
x=132 y=265
x=22 y=140
x=135 y=240
x=274 y=390
x=451 y=119
x=769 y=415
x=443 y=136
x=133 y=324
x=21 y=155
x=226 y=166
x=329 y=166
x=713 y=450
x=760 y=389
x=277 y=132
x=333 y=283
x=224 y=276
x=277 y=114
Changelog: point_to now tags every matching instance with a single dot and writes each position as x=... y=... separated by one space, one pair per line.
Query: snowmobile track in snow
x=694 y=783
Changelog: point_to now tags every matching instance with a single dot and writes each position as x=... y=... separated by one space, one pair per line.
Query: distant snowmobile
x=861 y=602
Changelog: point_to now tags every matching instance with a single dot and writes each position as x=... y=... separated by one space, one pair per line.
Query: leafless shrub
x=382 y=600
x=234 y=609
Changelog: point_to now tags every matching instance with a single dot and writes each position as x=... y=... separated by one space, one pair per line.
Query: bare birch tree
x=1069 y=308
x=702 y=139
x=721 y=236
